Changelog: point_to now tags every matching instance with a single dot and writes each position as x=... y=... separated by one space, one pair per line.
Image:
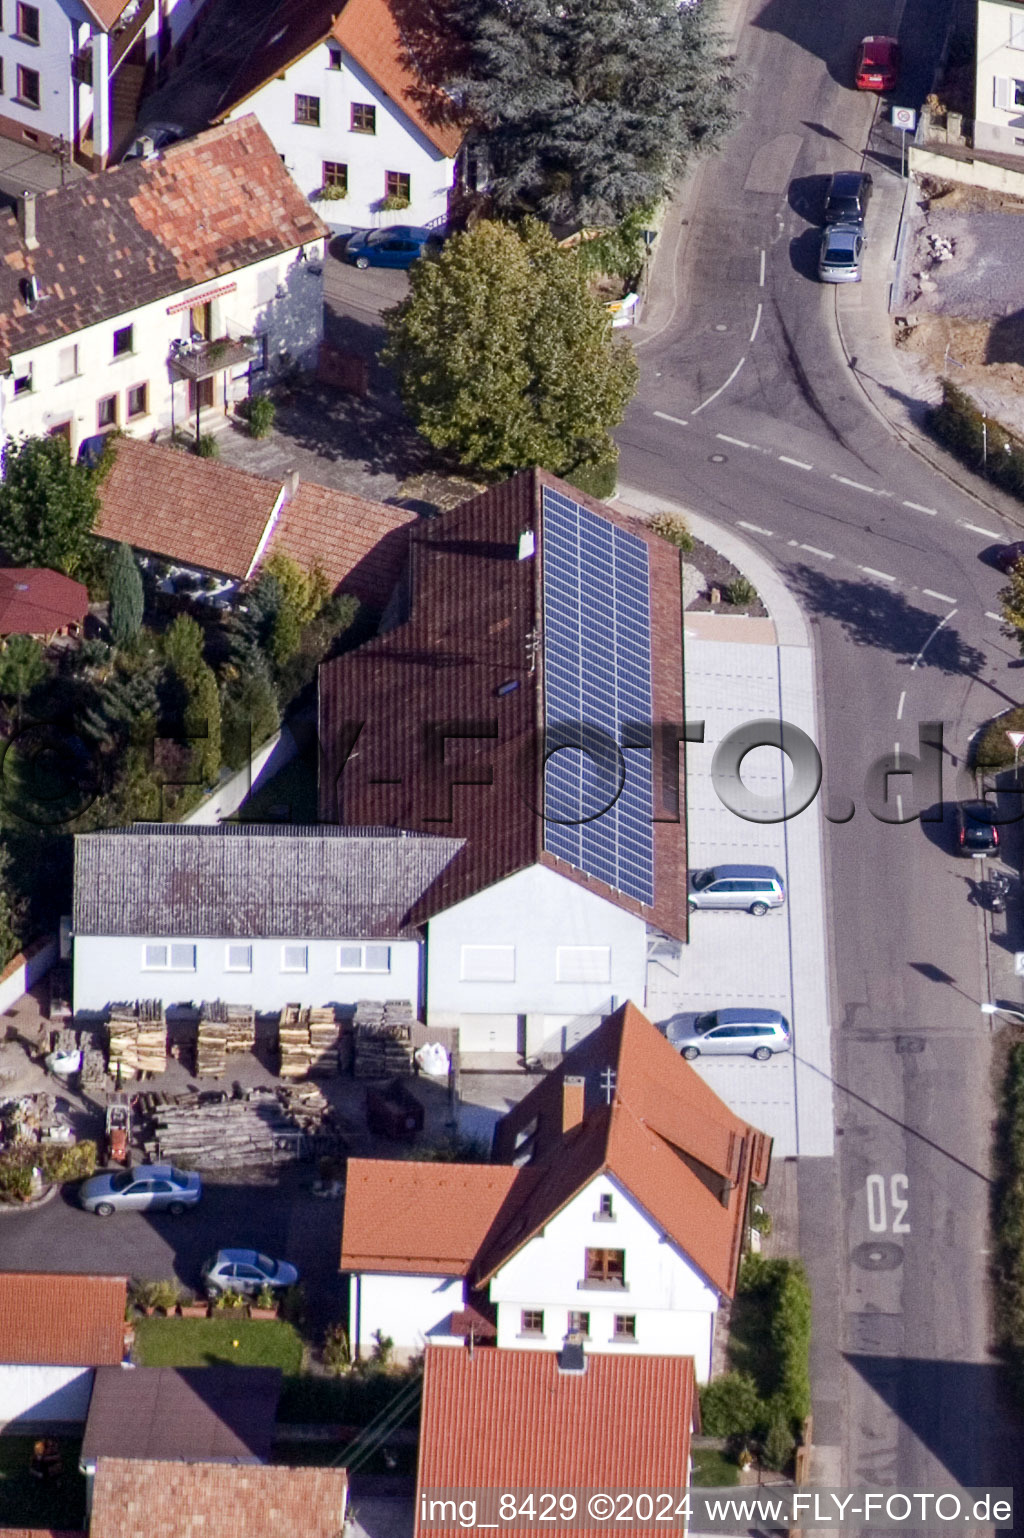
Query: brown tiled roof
x=106 y=12
x=37 y=601
x=377 y=34
x=475 y=608
x=423 y=1218
x=149 y=230
x=61 y=1320
x=360 y=546
x=167 y=1499
x=509 y=1419
x=175 y=505
x=666 y=1137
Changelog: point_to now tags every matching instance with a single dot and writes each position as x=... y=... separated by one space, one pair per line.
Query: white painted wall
x=40 y=1394
x=536 y=912
x=998 y=116
x=111 y=968
x=280 y=297
x=25 y=969
x=409 y=1309
x=397 y=145
x=674 y=1306
x=59 y=23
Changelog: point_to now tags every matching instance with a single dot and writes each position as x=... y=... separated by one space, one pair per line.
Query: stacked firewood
x=383 y=1038
x=308 y=1042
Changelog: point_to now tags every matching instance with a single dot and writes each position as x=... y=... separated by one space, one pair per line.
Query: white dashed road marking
x=800 y=464
x=761 y=279
x=931 y=511
x=826 y=555
x=976 y=529
x=997 y=617
x=942 y=597
x=757 y=322
x=721 y=387
x=666 y=418
x=737 y=441
x=899 y=707
x=883 y=576
x=872 y=491
x=755 y=528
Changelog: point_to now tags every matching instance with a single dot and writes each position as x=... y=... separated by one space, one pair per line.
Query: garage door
x=488 y=1033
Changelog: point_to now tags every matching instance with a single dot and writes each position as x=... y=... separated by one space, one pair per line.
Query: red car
x=878 y=64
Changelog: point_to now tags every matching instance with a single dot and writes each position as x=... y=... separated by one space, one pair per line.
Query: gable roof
x=169 y=1499
x=666 y=1138
x=473 y=651
x=37 y=601
x=508 y=1419
x=362 y=547
x=61 y=1319
x=253 y=880
x=207 y=1414
x=175 y=505
x=420 y=1218
x=148 y=230
x=376 y=34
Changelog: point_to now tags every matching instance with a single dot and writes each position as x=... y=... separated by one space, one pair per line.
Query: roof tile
x=61 y=1319
x=360 y=546
x=425 y=1219
x=168 y=1499
x=37 y=601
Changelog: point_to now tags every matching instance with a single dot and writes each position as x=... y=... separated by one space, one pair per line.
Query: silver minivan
x=754 y=1032
x=750 y=888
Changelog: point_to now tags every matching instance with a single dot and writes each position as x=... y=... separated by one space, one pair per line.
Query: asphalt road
x=748 y=412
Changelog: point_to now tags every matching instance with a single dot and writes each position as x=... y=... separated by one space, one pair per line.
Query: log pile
x=263 y=1128
x=308 y=1042
x=383 y=1038
x=211 y=1041
x=239 y=1021
x=151 y=1045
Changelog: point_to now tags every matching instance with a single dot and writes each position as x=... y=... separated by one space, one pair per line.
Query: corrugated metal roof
x=240 y=880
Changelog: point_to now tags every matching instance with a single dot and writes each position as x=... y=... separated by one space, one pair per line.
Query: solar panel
x=598 y=802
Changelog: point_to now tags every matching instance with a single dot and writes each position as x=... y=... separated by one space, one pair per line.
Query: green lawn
x=713 y=1468
x=206 y=1342
x=29 y=1502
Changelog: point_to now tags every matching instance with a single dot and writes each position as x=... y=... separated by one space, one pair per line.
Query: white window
x=67 y=363
x=169 y=958
x=293 y=958
x=364 y=958
x=583 y=964
x=1016 y=30
x=239 y=958
x=1009 y=94
x=488 y=964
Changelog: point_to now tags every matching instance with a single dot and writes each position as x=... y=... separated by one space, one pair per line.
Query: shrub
x=975 y=438
x=598 y=477
x=73 y=1161
x=1009 y=1220
x=674 y=528
x=993 y=748
x=164 y=1294
x=260 y=416
x=207 y=446
x=15 y=1178
x=760 y=1220
x=293 y=1306
x=779 y=1442
x=383 y=1346
x=783 y=1292
x=229 y=1300
x=742 y=593
x=331 y=193
x=730 y=1406
x=337 y=1353
x=126 y=596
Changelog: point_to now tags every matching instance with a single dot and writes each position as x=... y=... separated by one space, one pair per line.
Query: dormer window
x=333 y=57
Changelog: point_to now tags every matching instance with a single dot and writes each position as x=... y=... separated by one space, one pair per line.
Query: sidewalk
x=739 y=671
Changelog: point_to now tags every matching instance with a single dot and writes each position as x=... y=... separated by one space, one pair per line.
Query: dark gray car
x=847 y=198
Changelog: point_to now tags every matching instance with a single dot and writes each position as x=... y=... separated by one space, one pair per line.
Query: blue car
x=397 y=245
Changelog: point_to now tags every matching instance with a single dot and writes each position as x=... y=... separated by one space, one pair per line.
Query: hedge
x=962 y=427
x=993 y=749
x=1009 y=1220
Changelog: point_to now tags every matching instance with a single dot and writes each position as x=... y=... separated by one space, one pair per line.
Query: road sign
x=1016 y=738
x=904 y=118
x=1018 y=963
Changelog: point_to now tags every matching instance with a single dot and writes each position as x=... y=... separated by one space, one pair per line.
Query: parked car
x=397 y=245
x=749 y=888
x=147 y=1188
x=847 y=197
x=152 y=139
x=976 y=831
x=756 y=1033
x=878 y=64
x=842 y=248
x=1006 y=557
x=246 y=1271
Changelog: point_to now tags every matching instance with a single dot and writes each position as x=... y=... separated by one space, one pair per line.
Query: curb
x=790 y=625
x=15 y=1209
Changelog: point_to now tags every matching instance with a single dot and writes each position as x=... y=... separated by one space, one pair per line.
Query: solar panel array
x=598 y=800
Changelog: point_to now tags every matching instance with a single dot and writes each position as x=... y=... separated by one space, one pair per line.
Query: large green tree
x=588 y=109
x=504 y=359
x=48 y=506
x=127 y=600
x=23 y=665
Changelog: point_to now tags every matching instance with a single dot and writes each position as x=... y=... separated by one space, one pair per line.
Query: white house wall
x=410 y=1310
x=673 y=1305
x=998 y=115
x=37 y=1395
x=397 y=145
x=280 y=298
x=539 y=914
x=51 y=59
x=108 y=969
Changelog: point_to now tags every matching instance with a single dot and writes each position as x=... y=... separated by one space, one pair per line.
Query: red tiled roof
x=360 y=546
x=423 y=1219
x=61 y=1320
x=37 y=601
x=149 y=230
x=378 y=42
x=667 y=1137
x=172 y=504
x=510 y=1419
x=475 y=609
x=147 y=1498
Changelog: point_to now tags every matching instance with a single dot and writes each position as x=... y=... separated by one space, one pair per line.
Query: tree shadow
x=807 y=193
x=1006 y=339
x=873 y=615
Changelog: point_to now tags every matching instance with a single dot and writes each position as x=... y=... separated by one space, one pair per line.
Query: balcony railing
x=200 y=360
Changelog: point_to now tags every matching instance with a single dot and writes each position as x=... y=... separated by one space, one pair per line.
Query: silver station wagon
x=749 y=888
x=753 y=1032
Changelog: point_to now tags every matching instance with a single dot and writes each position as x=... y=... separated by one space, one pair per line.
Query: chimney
x=572 y=1357
x=572 y=1103
x=291 y=485
x=27 y=219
